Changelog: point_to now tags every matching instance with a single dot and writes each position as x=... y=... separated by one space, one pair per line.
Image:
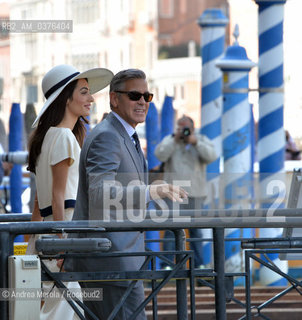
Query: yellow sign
x=20 y=248
x=225 y=77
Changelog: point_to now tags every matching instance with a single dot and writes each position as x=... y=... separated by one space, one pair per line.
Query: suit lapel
x=135 y=157
x=129 y=145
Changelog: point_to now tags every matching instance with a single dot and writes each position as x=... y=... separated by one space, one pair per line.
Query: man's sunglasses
x=135 y=95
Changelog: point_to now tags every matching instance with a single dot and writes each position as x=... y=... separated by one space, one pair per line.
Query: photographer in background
x=185 y=156
x=291 y=150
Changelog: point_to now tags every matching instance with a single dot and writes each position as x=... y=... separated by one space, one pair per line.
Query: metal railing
x=218 y=220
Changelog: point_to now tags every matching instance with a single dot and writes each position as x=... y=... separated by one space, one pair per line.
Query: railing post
x=181 y=285
x=153 y=285
x=220 y=302
x=6 y=249
x=247 y=285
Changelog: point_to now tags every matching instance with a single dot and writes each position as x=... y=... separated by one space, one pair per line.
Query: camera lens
x=186 y=131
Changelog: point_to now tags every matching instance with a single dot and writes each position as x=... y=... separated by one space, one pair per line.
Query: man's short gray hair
x=184 y=117
x=118 y=81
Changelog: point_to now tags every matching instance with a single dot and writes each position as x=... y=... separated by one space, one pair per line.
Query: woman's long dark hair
x=51 y=118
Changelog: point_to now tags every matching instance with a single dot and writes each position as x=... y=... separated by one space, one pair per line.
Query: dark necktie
x=139 y=150
x=136 y=140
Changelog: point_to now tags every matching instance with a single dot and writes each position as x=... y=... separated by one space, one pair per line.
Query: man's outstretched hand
x=165 y=190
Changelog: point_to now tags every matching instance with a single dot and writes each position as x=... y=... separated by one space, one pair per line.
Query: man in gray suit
x=113 y=177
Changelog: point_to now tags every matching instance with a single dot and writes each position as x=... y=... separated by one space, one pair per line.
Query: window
x=130 y=54
x=23 y=14
x=150 y=54
x=166 y=8
x=85 y=11
x=85 y=61
x=106 y=59
x=122 y=58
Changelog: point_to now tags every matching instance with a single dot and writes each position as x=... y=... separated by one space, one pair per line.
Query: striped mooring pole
x=167 y=117
x=15 y=138
x=212 y=23
x=236 y=133
x=152 y=138
x=271 y=141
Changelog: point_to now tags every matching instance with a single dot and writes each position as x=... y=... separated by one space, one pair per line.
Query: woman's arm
x=59 y=180
x=36 y=211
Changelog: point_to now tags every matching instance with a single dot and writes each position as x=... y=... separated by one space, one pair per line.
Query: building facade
x=112 y=34
x=5 y=83
x=177 y=19
x=109 y=34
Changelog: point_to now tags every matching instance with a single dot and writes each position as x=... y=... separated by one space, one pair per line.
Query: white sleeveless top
x=59 y=144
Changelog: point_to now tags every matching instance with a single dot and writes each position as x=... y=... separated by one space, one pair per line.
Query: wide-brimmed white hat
x=56 y=79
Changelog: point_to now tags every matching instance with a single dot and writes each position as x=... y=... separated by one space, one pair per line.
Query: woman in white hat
x=54 y=150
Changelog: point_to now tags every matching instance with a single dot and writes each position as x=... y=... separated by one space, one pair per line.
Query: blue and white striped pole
x=212 y=23
x=167 y=117
x=271 y=141
x=152 y=138
x=15 y=144
x=236 y=133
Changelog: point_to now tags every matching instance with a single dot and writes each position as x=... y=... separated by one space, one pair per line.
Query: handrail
x=161 y=215
x=216 y=219
x=158 y=223
x=172 y=224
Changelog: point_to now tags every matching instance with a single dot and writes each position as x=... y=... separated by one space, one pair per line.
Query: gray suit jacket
x=111 y=177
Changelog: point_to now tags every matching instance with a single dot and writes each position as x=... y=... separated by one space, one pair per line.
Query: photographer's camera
x=186 y=132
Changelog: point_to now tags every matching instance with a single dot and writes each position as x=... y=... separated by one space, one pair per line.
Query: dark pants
x=111 y=297
x=196 y=246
